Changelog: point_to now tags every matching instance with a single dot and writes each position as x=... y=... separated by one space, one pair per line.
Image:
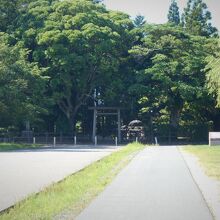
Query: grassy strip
x=71 y=195
x=13 y=146
x=209 y=158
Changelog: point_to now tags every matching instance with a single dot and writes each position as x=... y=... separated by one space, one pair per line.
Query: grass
x=209 y=158
x=13 y=146
x=70 y=196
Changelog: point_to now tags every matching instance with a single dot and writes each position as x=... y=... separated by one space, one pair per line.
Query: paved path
x=29 y=171
x=156 y=185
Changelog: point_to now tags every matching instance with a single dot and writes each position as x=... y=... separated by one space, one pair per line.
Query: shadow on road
x=67 y=148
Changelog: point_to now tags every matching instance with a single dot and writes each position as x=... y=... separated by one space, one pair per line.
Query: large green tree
x=10 y=11
x=170 y=75
x=196 y=19
x=21 y=86
x=79 y=42
x=213 y=75
x=139 y=21
x=173 y=14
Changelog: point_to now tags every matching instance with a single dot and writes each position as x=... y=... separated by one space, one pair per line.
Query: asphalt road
x=156 y=185
x=29 y=171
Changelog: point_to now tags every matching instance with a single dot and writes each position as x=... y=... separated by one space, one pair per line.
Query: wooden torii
x=105 y=111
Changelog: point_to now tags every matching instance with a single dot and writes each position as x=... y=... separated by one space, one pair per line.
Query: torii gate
x=98 y=110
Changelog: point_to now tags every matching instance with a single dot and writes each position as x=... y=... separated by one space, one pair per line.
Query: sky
x=155 y=11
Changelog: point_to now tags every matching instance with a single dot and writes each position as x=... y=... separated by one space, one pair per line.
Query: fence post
x=116 y=141
x=209 y=139
x=156 y=142
x=61 y=138
x=46 y=137
x=95 y=140
x=136 y=139
x=54 y=141
x=34 y=141
x=74 y=140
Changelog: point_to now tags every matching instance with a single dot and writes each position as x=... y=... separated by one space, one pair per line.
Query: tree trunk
x=174 y=124
x=70 y=108
x=72 y=124
x=70 y=113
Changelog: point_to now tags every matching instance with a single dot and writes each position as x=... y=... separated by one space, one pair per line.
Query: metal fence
x=48 y=138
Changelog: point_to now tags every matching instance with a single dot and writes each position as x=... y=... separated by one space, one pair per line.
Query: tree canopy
x=173 y=14
x=213 y=75
x=139 y=21
x=196 y=19
x=79 y=43
x=57 y=58
x=21 y=86
x=171 y=73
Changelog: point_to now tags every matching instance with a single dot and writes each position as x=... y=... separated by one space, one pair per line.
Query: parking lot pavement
x=25 y=172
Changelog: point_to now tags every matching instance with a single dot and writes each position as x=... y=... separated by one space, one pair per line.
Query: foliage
x=97 y=1
x=10 y=11
x=213 y=75
x=55 y=56
x=170 y=70
x=13 y=146
x=79 y=42
x=173 y=14
x=21 y=86
x=196 y=19
x=139 y=21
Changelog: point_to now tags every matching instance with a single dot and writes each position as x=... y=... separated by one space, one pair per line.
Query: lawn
x=13 y=146
x=209 y=157
x=70 y=196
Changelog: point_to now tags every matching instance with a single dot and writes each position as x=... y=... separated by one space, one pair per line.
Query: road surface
x=29 y=171
x=156 y=185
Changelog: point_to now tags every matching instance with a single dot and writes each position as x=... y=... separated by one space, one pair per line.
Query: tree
x=97 y=1
x=196 y=19
x=213 y=75
x=139 y=21
x=170 y=74
x=10 y=11
x=173 y=14
x=79 y=42
x=21 y=86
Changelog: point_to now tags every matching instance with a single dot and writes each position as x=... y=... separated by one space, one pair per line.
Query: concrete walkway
x=156 y=185
x=29 y=171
